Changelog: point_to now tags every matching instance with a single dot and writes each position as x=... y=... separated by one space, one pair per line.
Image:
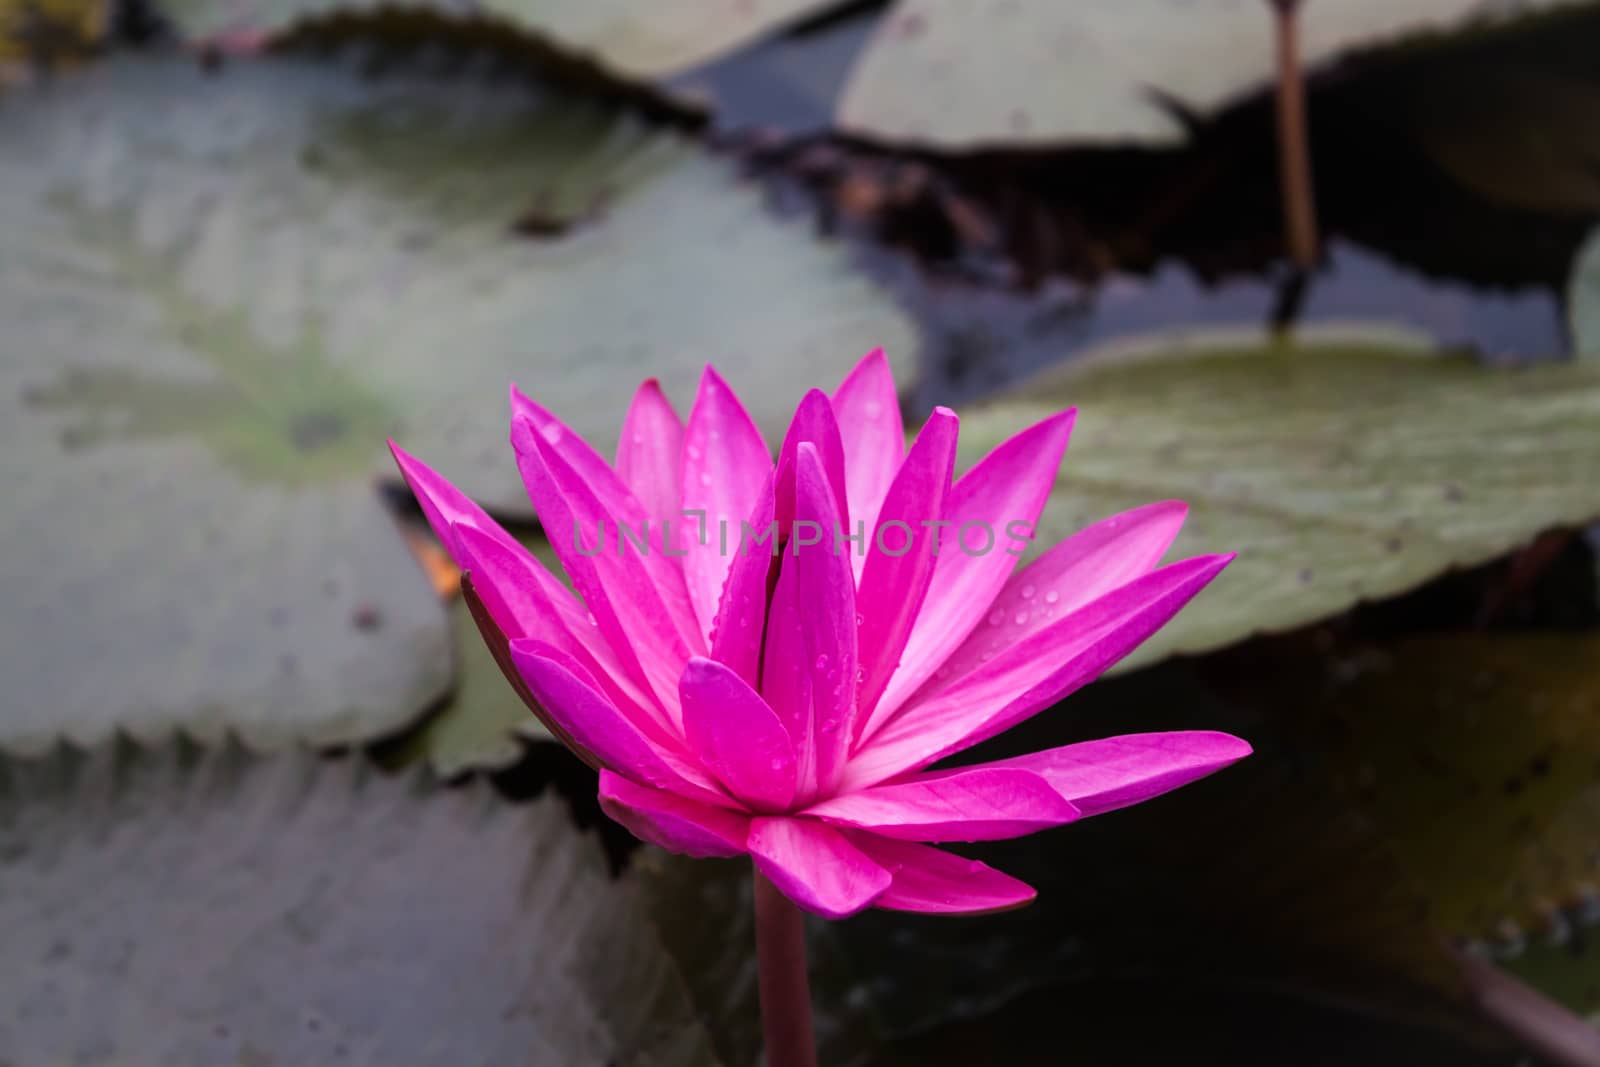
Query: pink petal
x=813 y=422
x=614 y=585
x=814 y=866
x=650 y=453
x=527 y=601
x=725 y=465
x=736 y=736
x=874 y=438
x=741 y=613
x=1005 y=492
x=1087 y=565
x=1100 y=776
x=902 y=557
x=1030 y=675
x=932 y=880
x=786 y=673
x=984 y=804
x=826 y=598
x=618 y=506
x=443 y=504
x=675 y=823
x=571 y=696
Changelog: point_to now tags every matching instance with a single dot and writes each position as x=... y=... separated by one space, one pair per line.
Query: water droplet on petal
x=996 y=617
x=872 y=409
x=859 y=620
x=705 y=477
x=822 y=663
x=1021 y=618
x=694 y=451
x=1051 y=597
x=861 y=675
x=1027 y=592
x=638 y=438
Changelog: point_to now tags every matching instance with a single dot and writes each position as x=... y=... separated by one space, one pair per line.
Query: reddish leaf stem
x=1294 y=150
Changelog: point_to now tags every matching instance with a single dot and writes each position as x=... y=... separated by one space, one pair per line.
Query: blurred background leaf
x=954 y=74
x=624 y=37
x=1339 y=473
x=166 y=906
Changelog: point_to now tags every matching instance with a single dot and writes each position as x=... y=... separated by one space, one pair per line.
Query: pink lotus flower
x=786 y=705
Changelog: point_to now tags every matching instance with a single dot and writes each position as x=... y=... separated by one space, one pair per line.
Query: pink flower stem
x=785 y=992
x=1294 y=151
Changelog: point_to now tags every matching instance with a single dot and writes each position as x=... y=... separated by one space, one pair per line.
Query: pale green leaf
x=215 y=317
x=163 y=907
x=959 y=74
x=632 y=38
x=1338 y=473
x=1583 y=299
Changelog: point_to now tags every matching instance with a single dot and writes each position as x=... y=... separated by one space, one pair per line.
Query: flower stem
x=1294 y=151
x=785 y=993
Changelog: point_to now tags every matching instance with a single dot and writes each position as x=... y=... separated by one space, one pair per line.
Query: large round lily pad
x=959 y=74
x=222 y=291
x=1340 y=474
x=632 y=38
x=160 y=907
x=1583 y=299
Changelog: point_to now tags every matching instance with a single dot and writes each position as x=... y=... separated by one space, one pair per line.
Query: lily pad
x=1583 y=299
x=161 y=907
x=1339 y=473
x=957 y=74
x=484 y=726
x=214 y=319
x=641 y=39
x=1478 y=757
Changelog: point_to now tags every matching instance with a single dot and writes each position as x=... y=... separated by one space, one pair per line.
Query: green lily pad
x=213 y=320
x=1338 y=473
x=955 y=74
x=485 y=724
x=633 y=38
x=1583 y=299
x=1478 y=758
x=164 y=907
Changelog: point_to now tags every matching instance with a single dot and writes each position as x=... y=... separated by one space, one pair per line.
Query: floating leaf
x=161 y=907
x=1478 y=757
x=1340 y=474
x=956 y=74
x=1583 y=299
x=213 y=320
x=484 y=724
x=632 y=38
